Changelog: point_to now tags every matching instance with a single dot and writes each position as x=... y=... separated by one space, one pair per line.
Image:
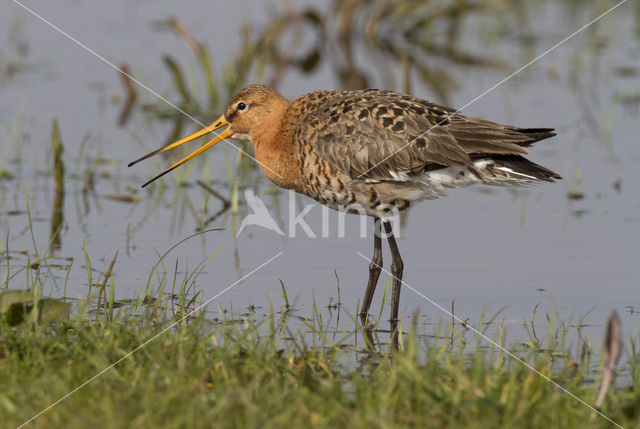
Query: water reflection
x=402 y=40
x=57 y=214
x=131 y=94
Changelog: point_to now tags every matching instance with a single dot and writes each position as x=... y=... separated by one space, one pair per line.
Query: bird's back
x=390 y=146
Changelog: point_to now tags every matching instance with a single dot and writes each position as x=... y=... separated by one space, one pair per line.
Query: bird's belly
x=362 y=201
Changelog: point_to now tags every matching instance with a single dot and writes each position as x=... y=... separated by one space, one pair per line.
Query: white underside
x=481 y=172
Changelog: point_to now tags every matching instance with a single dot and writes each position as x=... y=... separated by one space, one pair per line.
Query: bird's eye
x=242 y=106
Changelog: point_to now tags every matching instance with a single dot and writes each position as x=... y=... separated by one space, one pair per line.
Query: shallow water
x=486 y=249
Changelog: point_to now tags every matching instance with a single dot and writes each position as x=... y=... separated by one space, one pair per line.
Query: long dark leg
x=396 y=271
x=374 y=270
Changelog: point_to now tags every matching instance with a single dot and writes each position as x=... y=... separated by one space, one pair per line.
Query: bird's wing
x=382 y=135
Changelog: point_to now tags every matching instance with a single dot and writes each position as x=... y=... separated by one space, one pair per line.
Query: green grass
x=247 y=373
x=281 y=370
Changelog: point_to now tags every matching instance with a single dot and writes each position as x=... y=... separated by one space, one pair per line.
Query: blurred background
x=71 y=122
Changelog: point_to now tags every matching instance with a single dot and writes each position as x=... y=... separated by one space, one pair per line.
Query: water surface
x=486 y=249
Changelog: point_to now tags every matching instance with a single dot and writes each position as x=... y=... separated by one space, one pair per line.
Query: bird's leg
x=374 y=270
x=396 y=272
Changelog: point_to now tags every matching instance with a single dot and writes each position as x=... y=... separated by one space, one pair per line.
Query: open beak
x=221 y=122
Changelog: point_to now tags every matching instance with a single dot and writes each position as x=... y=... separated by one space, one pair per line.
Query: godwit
x=374 y=152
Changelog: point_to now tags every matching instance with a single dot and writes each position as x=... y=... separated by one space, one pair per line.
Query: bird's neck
x=273 y=146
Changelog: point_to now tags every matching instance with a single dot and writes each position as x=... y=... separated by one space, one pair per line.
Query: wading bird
x=374 y=152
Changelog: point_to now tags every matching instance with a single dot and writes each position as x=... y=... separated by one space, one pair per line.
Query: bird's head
x=252 y=111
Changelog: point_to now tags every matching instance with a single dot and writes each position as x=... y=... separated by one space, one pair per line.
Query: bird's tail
x=533 y=135
x=519 y=167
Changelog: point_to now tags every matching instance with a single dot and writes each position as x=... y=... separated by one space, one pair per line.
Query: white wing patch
x=400 y=177
x=516 y=173
x=485 y=171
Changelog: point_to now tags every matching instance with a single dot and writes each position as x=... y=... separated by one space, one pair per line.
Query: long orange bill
x=221 y=122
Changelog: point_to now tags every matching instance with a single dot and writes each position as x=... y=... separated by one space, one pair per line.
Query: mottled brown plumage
x=374 y=152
